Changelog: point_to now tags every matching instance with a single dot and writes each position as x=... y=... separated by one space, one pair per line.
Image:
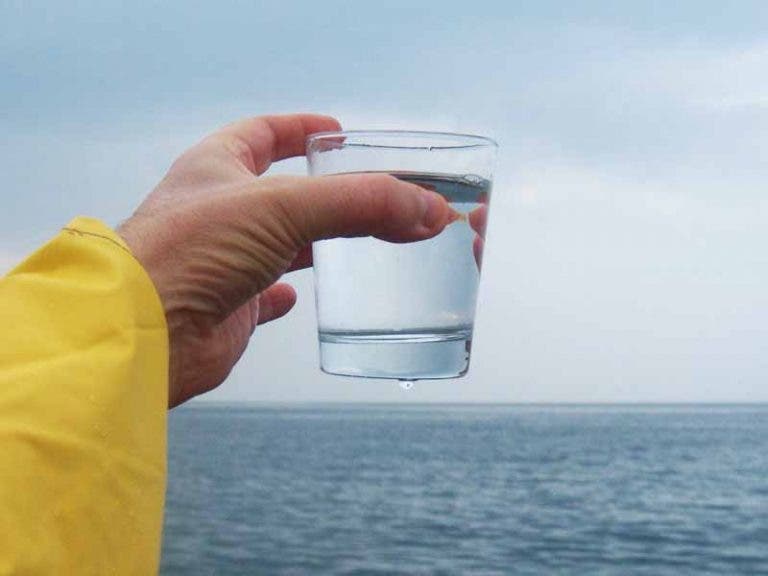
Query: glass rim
x=463 y=141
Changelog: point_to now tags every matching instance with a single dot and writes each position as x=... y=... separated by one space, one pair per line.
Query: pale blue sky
x=627 y=243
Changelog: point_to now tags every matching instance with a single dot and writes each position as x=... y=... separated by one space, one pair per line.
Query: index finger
x=261 y=140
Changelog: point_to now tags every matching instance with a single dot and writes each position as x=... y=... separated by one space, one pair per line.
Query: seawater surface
x=467 y=490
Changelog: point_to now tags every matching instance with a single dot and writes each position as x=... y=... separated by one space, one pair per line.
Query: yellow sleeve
x=83 y=401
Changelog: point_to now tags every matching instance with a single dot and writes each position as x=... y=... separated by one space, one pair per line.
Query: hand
x=478 y=220
x=214 y=237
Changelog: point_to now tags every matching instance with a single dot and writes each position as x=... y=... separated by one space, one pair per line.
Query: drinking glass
x=403 y=311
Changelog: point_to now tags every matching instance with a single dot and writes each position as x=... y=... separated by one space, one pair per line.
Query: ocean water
x=467 y=490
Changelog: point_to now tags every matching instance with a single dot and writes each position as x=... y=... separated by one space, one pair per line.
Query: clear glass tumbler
x=403 y=311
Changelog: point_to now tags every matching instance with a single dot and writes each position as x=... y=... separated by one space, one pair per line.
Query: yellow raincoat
x=83 y=399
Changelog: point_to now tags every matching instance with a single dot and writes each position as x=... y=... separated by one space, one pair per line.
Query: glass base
x=417 y=356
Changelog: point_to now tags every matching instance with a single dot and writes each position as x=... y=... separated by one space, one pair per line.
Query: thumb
x=350 y=205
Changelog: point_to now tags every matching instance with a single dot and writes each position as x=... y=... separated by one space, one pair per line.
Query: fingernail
x=435 y=209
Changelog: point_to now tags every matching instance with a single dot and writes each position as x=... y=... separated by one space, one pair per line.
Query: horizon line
x=704 y=403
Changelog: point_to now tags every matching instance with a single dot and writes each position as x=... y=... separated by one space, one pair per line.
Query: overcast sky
x=627 y=255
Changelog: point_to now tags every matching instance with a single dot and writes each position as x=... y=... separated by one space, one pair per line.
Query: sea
x=467 y=489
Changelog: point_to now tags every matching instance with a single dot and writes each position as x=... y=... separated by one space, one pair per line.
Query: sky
x=626 y=258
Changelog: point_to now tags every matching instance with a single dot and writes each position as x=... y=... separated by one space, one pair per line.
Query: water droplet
x=406 y=384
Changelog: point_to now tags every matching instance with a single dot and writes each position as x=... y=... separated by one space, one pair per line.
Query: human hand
x=215 y=237
x=478 y=220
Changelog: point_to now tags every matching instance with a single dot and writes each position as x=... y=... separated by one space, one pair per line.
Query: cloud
x=713 y=77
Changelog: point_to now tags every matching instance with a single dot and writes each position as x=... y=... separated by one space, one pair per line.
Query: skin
x=478 y=220
x=215 y=236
